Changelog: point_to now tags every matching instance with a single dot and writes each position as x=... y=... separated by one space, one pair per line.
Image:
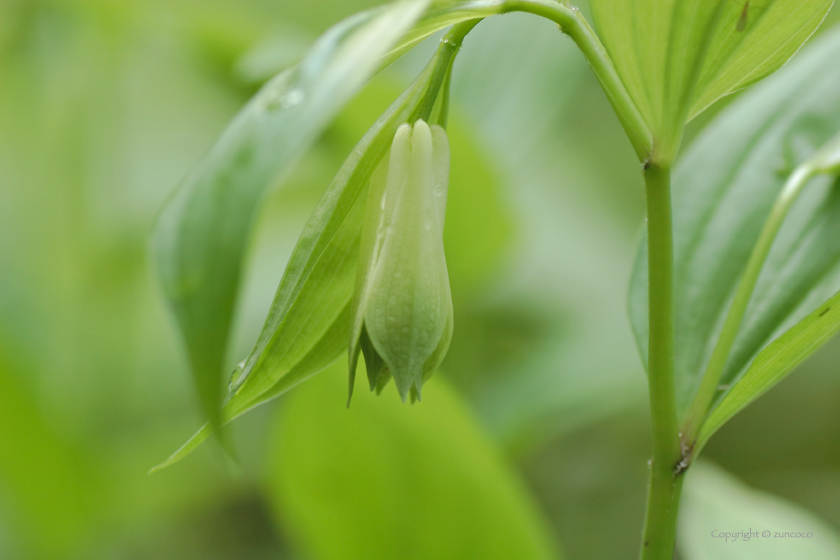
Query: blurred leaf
x=715 y=502
x=517 y=97
x=530 y=349
x=103 y=106
x=272 y=55
x=201 y=235
x=678 y=57
x=439 y=15
x=383 y=480
x=478 y=223
x=54 y=492
x=774 y=362
x=723 y=191
x=557 y=388
x=827 y=160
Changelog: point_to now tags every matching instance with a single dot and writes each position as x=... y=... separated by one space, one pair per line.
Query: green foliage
x=202 y=232
x=199 y=262
x=309 y=323
x=716 y=502
x=105 y=104
x=36 y=466
x=774 y=362
x=720 y=209
x=677 y=57
x=388 y=481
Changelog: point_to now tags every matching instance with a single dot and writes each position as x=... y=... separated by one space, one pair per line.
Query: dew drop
x=292 y=98
x=236 y=378
x=284 y=100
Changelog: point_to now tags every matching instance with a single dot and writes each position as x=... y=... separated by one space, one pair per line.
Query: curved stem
x=711 y=378
x=448 y=49
x=573 y=24
x=665 y=475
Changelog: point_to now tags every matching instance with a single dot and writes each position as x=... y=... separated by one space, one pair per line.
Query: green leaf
x=677 y=57
x=723 y=191
x=202 y=232
x=383 y=480
x=774 y=362
x=309 y=323
x=441 y=14
x=715 y=502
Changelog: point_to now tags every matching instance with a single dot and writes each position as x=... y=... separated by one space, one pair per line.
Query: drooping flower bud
x=403 y=306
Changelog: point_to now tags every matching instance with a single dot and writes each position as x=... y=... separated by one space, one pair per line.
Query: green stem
x=666 y=466
x=666 y=476
x=663 y=503
x=709 y=385
x=573 y=24
x=448 y=48
x=442 y=108
x=665 y=480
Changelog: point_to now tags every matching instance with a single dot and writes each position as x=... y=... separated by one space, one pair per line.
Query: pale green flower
x=403 y=306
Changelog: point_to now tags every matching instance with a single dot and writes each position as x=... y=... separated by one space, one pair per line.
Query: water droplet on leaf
x=284 y=100
x=236 y=378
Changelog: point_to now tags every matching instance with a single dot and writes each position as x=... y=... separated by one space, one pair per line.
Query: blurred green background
x=534 y=433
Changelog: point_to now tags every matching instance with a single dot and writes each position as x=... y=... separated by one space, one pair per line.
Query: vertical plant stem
x=665 y=486
x=666 y=479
